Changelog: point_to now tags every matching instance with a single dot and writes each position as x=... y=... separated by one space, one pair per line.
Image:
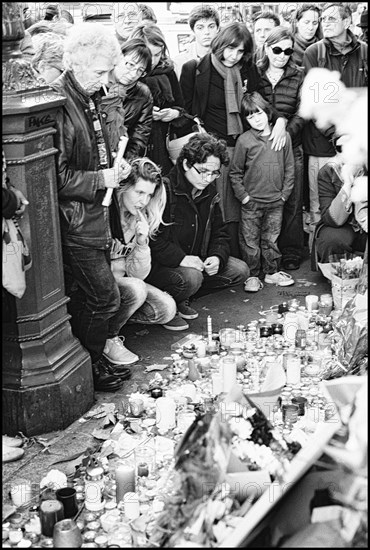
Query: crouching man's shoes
x=103 y=380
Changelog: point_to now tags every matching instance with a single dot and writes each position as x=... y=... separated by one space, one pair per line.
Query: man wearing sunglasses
x=191 y=251
x=339 y=50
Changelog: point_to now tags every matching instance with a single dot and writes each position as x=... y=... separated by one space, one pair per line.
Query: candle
x=51 y=511
x=293 y=370
x=21 y=493
x=189 y=390
x=131 y=506
x=228 y=372
x=217 y=384
x=209 y=329
x=312 y=302
x=290 y=413
x=201 y=348
x=166 y=413
x=125 y=480
x=290 y=327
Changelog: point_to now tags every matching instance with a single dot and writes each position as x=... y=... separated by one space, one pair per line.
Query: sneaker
x=280 y=279
x=177 y=323
x=117 y=353
x=253 y=284
x=186 y=311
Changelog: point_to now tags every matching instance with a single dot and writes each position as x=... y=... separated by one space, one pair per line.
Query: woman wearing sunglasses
x=282 y=81
x=136 y=214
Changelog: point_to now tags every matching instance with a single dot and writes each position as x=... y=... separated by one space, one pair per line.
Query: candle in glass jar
x=125 y=480
x=131 y=506
x=51 y=511
x=165 y=413
x=293 y=370
x=312 y=302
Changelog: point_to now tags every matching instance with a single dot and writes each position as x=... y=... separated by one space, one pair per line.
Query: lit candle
x=125 y=480
x=209 y=329
x=51 y=511
x=165 y=413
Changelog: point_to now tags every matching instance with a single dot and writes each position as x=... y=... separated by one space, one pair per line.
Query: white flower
x=242 y=428
x=55 y=479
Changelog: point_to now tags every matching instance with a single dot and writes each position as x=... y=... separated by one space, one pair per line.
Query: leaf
x=100 y=434
x=109 y=419
x=136 y=427
x=68 y=458
x=8 y=510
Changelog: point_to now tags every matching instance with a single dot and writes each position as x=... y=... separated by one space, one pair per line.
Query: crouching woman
x=136 y=214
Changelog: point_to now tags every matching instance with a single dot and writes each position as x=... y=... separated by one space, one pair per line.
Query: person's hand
x=141 y=228
x=169 y=114
x=278 y=134
x=119 y=172
x=157 y=113
x=212 y=265
x=22 y=201
x=192 y=261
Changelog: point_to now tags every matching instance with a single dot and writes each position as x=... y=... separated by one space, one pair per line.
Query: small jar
x=277 y=328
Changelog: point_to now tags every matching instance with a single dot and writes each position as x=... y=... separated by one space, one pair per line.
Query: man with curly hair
x=191 y=252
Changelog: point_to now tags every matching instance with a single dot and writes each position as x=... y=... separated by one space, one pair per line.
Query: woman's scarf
x=114 y=113
x=300 y=46
x=233 y=95
x=160 y=86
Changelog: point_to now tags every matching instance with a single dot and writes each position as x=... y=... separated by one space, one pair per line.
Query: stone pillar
x=47 y=375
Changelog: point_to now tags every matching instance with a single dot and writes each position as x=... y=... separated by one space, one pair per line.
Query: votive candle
x=125 y=480
x=209 y=329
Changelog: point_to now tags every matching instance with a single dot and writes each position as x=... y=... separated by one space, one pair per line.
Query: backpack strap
x=321 y=54
x=363 y=49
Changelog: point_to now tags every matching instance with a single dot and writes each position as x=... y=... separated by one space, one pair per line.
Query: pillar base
x=46 y=408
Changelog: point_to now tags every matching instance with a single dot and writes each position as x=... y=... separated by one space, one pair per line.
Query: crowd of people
x=245 y=197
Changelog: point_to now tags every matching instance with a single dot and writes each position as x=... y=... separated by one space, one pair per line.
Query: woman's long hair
x=231 y=36
x=276 y=35
x=144 y=168
x=152 y=34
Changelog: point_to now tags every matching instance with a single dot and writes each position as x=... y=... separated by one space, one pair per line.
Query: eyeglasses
x=277 y=50
x=214 y=174
x=338 y=148
x=140 y=71
x=330 y=19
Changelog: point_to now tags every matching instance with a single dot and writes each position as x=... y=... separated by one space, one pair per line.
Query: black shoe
x=103 y=381
x=120 y=371
x=290 y=263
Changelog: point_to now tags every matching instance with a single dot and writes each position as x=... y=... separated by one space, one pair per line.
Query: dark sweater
x=259 y=171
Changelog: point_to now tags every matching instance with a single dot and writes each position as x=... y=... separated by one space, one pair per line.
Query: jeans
x=184 y=282
x=94 y=296
x=141 y=303
x=339 y=240
x=314 y=165
x=291 y=239
x=259 y=230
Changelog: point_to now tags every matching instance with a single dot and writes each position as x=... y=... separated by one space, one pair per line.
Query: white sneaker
x=117 y=353
x=280 y=279
x=253 y=284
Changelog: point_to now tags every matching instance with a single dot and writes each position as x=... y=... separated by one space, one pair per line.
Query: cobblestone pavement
x=227 y=308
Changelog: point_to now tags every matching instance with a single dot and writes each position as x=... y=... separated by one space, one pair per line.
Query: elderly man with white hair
x=84 y=173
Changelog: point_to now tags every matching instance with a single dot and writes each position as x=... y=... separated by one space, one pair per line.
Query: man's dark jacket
x=195 y=225
x=84 y=221
x=352 y=68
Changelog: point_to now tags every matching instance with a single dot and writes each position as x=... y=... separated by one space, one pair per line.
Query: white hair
x=87 y=40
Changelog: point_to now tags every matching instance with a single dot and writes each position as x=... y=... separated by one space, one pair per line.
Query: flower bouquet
x=219 y=457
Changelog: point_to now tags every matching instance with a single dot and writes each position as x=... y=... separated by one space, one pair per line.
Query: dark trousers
x=291 y=239
x=339 y=240
x=94 y=294
x=183 y=282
